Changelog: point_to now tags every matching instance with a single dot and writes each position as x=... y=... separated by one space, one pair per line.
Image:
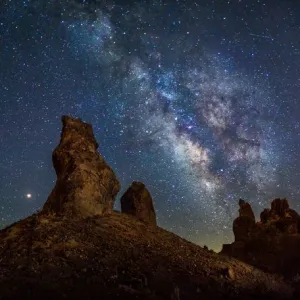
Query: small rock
x=175 y=294
x=229 y=273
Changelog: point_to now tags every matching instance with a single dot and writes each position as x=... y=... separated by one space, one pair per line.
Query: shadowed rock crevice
x=85 y=185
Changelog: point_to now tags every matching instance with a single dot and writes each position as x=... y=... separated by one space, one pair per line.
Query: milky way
x=197 y=101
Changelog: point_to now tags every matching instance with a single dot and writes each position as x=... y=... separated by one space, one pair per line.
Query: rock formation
x=246 y=210
x=243 y=224
x=137 y=201
x=88 y=254
x=285 y=219
x=85 y=185
x=273 y=244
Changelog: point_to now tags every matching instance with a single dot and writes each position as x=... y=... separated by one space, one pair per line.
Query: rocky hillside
x=77 y=247
x=115 y=256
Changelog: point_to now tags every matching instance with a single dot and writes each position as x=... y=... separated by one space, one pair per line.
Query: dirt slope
x=115 y=256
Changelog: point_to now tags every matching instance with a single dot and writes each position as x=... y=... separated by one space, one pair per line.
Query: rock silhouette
x=242 y=225
x=246 y=210
x=85 y=185
x=273 y=244
x=137 y=201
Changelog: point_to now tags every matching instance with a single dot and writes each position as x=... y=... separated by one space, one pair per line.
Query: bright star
x=28 y=196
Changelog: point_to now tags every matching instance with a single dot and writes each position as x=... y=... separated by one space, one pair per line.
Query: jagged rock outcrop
x=138 y=202
x=285 y=219
x=246 y=210
x=85 y=185
x=280 y=206
x=273 y=244
x=243 y=224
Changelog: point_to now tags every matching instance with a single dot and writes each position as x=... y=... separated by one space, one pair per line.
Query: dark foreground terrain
x=115 y=256
x=77 y=247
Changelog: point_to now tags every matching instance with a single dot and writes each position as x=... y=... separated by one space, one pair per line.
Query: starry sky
x=200 y=100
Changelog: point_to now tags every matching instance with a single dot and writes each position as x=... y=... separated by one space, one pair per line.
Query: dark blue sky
x=198 y=101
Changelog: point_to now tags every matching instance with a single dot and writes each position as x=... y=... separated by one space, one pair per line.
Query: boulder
x=85 y=185
x=138 y=202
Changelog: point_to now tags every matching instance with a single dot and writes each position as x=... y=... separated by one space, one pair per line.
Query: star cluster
x=198 y=101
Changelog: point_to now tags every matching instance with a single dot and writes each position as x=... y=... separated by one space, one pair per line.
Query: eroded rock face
x=243 y=224
x=85 y=185
x=246 y=210
x=242 y=227
x=273 y=244
x=280 y=207
x=282 y=217
x=137 y=201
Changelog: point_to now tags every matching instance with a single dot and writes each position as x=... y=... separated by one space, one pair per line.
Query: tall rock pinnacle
x=243 y=224
x=246 y=210
x=137 y=201
x=85 y=185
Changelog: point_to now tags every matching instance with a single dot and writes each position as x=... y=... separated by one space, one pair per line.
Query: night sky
x=199 y=100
